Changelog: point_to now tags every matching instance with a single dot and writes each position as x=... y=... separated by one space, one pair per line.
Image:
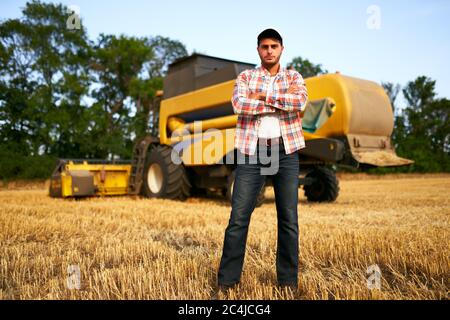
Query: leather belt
x=270 y=141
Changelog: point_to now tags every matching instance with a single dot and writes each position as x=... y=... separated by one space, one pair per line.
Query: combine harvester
x=347 y=122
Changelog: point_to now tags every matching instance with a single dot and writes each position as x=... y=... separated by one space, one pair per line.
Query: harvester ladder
x=138 y=163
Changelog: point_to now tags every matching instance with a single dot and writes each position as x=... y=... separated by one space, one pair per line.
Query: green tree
x=165 y=52
x=392 y=90
x=306 y=68
x=425 y=127
x=128 y=72
x=437 y=114
x=420 y=93
x=43 y=79
x=62 y=95
x=117 y=63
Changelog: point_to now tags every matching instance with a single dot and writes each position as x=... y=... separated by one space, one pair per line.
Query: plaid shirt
x=288 y=106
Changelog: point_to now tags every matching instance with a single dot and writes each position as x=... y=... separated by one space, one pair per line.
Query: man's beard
x=271 y=63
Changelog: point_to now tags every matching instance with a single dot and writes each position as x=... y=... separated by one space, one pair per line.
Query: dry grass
x=130 y=248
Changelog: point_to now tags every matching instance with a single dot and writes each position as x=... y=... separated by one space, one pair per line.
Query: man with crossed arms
x=269 y=101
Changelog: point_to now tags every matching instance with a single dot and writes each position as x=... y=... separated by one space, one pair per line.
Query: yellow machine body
x=84 y=179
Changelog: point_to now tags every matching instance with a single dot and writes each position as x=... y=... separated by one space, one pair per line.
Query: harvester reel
x=325 y=186
x=229 y=193
x=162 y=177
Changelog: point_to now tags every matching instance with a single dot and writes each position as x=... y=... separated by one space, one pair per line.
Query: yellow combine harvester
x=347 y=122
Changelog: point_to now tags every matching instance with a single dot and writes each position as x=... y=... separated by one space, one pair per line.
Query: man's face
x=270 y=51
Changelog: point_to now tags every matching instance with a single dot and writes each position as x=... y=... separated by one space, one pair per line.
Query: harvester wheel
x=229 y=193
x=163 y=178
x=325 y=187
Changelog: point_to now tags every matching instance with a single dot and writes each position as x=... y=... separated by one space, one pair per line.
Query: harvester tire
x=162 y=177
x=325 y=187
x=229 y=193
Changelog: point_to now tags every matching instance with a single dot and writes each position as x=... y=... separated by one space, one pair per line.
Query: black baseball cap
x=270 y=34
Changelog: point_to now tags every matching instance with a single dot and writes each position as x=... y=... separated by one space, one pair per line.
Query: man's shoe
x=222 y=288
x=293 y=287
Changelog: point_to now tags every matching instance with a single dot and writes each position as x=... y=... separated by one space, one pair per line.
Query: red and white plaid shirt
x=287 y=105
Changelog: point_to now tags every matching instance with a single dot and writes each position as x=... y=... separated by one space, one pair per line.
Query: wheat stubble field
x=131 y=248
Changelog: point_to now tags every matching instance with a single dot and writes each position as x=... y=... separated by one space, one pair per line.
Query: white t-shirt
x=269 y=124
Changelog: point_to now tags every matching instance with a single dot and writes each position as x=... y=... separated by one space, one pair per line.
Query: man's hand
x=257 y=96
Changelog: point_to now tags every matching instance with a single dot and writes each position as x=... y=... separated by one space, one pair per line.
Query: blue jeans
x=247 y=185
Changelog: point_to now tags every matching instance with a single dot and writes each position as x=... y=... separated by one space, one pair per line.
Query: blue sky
x=413 y=38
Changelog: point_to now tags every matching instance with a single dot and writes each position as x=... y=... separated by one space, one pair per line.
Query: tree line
x=63 y=95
